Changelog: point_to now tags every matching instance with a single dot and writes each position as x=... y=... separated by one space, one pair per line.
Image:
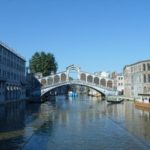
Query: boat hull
x=142 y=104
x=111 y=101
x=114 y=100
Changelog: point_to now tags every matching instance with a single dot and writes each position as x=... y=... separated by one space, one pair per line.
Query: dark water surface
x=82 y=123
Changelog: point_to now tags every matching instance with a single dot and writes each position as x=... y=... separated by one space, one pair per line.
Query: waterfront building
x=137 y=79
x=12 y=74
x=117 y=78
x=102 y=74
x=113 y=76
x=120 y=83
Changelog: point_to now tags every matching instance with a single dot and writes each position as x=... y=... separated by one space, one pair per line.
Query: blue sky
x=97 y=35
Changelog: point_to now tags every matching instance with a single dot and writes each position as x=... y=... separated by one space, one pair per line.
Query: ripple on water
x=82 y=123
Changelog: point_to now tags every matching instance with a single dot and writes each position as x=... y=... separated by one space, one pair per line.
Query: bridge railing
x=54 y=84
x=76 y=82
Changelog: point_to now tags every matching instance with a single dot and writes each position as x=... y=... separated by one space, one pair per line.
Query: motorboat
x=72 y=94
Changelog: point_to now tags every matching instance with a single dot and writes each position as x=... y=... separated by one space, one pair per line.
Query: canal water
x=81 y=123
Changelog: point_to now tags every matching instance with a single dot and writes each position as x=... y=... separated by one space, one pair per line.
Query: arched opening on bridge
x=89 y=78
x=43 y=82
x=96 y=80
x=63 y=77
x=109 y=84
x=56 y=79
x=50 y=80
x=103 y=82
x=72 y=72
x=73 y=75
x=83 y=76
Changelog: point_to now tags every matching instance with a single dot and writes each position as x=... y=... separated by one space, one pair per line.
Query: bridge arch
x=102 y=91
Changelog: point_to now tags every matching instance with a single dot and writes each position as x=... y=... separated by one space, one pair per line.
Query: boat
x=72 y=94
x=114 y=99
x=142 y=108
x=142 y=104
x=144 y=101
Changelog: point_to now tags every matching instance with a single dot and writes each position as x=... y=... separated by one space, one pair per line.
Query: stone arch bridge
x=101 y=84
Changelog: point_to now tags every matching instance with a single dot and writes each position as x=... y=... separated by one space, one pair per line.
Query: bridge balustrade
x=77 y=81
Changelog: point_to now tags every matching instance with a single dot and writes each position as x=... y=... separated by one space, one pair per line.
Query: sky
x=96 y=35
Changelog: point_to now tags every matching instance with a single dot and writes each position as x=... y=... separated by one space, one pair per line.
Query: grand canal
x=82 y=123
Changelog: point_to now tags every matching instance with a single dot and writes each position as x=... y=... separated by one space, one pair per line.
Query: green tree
x=44 y=63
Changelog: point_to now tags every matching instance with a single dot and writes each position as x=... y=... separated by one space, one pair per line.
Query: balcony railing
x=2 y=78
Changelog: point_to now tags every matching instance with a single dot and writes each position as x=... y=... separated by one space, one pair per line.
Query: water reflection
x=76 y=122
x=136 y=121
x=9 y=116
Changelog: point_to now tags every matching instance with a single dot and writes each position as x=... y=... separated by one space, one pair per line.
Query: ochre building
x=137 y=79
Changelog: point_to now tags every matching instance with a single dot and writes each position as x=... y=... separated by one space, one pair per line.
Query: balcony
x=2 y=78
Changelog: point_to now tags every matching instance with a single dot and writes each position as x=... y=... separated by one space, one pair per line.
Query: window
x=149 y=78
x=131 y=69
x=145 y=90
x=144 y=67
x=148 y=66
x=11 y=75
x=144 y=78
x=8 y=75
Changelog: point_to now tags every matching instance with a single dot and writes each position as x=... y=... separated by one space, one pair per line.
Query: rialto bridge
x=100 y=84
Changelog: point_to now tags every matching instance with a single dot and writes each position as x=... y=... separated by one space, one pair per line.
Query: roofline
x=138 y=62
x=11 y=50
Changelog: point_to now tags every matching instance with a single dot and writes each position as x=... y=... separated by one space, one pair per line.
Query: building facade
x=113 y=76
x=120 y=84
x=137 y=79
x=102 y=74
x=12 y=74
